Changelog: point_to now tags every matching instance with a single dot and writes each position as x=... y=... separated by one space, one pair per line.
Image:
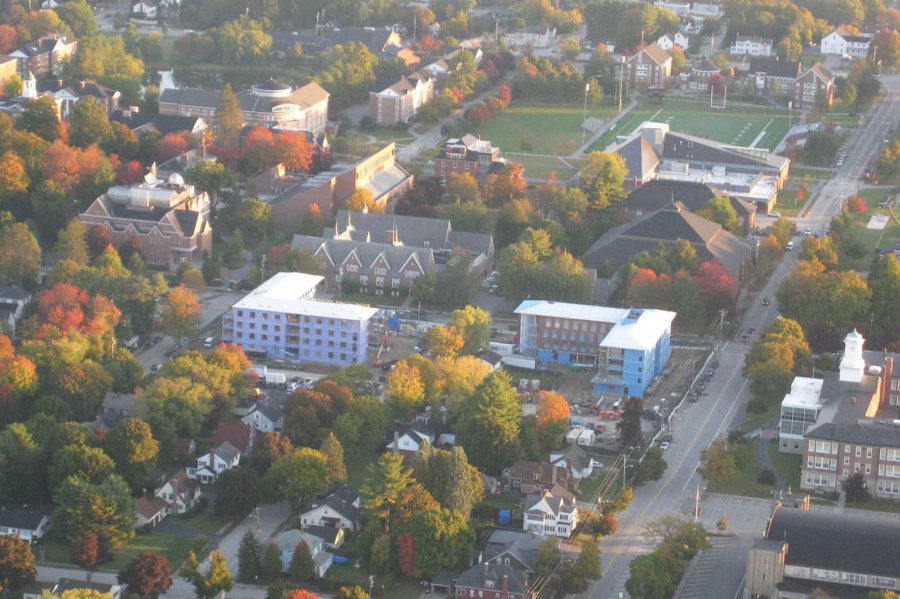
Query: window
x=868 y=468
x=858 y=451
x=869 y=452
x=380 y=271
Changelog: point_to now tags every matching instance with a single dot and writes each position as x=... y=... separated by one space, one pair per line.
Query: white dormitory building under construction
x=283 y=319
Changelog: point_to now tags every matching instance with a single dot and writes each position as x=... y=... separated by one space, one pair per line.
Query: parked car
x=664 y=445
x=766 y=301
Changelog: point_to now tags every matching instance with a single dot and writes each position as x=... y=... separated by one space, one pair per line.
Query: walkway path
x=601 y=131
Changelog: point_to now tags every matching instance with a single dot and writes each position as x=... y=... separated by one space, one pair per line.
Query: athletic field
x=757 y=129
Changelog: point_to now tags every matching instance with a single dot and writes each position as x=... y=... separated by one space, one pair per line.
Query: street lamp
x=339 y=278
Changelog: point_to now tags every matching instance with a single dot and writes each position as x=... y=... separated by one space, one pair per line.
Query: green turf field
x=548 y=129
x=752 y=128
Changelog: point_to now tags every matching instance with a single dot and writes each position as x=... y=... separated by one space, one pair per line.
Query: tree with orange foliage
x=17 y=377
x=301 y=594
x=294 y=150
x=716 y=286
x=129 y=173
x=443 y=341
x=8 y=38
x=553 y=418
x=181 y=313
x=258 y=150
x=61 y=165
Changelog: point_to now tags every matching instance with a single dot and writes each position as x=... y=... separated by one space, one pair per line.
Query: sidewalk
x=579 y=153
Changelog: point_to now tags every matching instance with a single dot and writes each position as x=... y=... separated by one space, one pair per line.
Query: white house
x=573 y=458
x=536 y=36
x=287 y=542
x=213 y=463
x=751 y=45
x=550 y=515
x=667 y=42
x=706 y=9
x=28 y=524
x=843 y=43
x=407 y=442
x=265 y=418
x=180 y=492
x=144 y=8
x=334 y=512
x=13 y=300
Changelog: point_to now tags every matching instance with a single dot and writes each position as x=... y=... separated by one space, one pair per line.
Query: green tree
x=449 y=477
x=884 y=282
x=488 y=427
x=388 y=481
x=228 y=121
x=302 y=566
x=71 y=244
x=717 y=464
x=90 y=464
x=249 y=558
x=444 y=538
x=20 y=255
x=255 y=220
x=89 y=123
x=243 y=41
x=604 y=176
x=652 y=467
x=298 y=476
x=211 y=177
x=78 y=16
x=132 y=446
x=17 y=564
x=40 y=118
x=855 y=488
x=719 y=210
x=14 y=86
x=629 y=426
x=334 y=453
x=237 y=492
x=106 y=509
x=271 y=561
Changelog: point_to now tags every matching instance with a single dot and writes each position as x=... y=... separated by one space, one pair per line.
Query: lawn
x=56 y=552
x=871 y=238
x=540 y=167
x=385 y=586
x=787 y=464
x=743 y=127
x=539 y=128
x=745 y=482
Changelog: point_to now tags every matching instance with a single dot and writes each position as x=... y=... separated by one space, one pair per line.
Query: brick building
x=44 y=56
x=170 y=219
x=467 y=156
x=816 y=82
x=379 y=173
x=400 y=102
x=774 y=77
x=651 y=67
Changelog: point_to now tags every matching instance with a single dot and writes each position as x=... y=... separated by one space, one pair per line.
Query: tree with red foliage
x=294 y=150
x=85 y=551
x=649 y=289
x=65 y=309
x=301 y=594
x=171 y=145
x=407 y=554
x=504 y=95
x=856 y=204
x=716 y=285
x=148 y=574
x=129 y=173
x=8 y=38
x=258 y=150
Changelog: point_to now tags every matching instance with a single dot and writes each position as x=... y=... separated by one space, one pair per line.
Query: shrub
x=766 y=477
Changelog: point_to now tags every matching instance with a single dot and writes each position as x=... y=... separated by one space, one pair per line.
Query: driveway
x=271 y=517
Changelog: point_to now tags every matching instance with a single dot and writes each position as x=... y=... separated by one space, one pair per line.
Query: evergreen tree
x=334 y=451
x=271 y=561
x=249 y=558
x=488 y=427
x=302 y=566
x=228 y=121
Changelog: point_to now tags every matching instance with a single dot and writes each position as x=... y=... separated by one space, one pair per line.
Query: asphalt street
x=702 y=422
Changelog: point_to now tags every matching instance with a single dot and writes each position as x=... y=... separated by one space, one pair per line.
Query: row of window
x=575 y=325
x=854 y=578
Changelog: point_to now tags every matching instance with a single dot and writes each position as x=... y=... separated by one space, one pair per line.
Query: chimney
x=505 y=594
x=485 y=569
x=553 y=473
x=852 y=364
x=82 y=84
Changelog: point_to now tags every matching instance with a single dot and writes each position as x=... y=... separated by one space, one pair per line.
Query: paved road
x=700 y=423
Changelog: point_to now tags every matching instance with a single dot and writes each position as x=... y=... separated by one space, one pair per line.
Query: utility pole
x=256 y=510
x=262 y=269
x=697 y=504
x=587 y=88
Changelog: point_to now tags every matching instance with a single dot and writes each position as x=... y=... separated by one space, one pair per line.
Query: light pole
x=339 y=279
x=587 y=88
